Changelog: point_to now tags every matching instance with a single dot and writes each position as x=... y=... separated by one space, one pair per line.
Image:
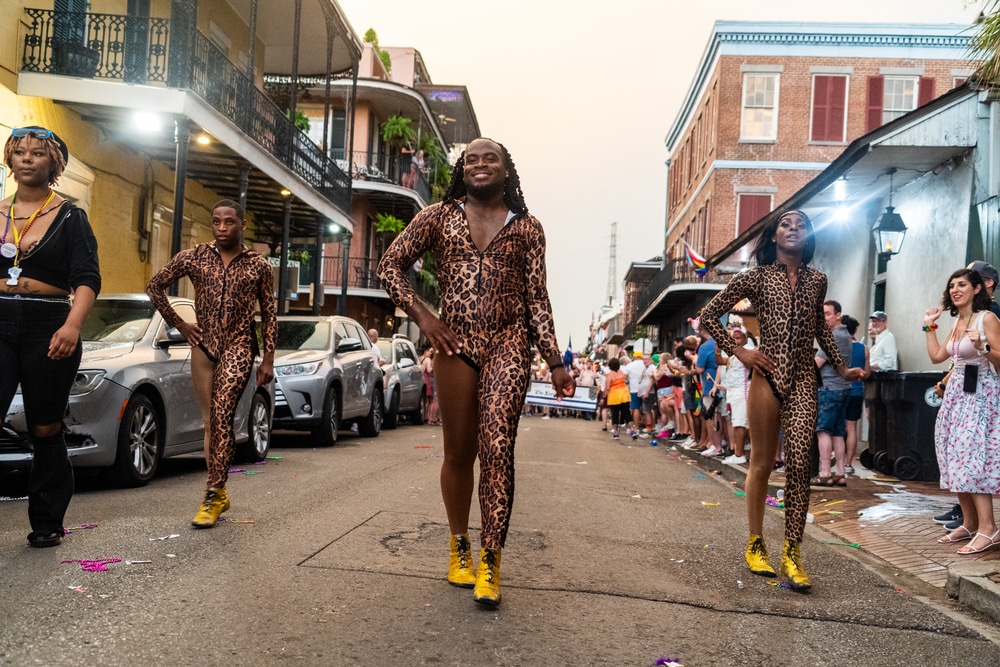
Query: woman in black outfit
x=49 y=279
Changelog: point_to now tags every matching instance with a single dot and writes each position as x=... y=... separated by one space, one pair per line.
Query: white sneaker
x=687 y=444
x=735 y=460
x=669 y=426
x=711 y=451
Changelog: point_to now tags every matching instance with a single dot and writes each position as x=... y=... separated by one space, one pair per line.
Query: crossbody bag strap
x=982 y=335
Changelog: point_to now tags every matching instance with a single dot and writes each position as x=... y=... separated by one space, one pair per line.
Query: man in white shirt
x=883 y=355
x=634 y=371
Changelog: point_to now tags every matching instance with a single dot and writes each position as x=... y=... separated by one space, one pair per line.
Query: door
x=182 y=413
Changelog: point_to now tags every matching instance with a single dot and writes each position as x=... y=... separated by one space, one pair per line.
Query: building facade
x=771 y=105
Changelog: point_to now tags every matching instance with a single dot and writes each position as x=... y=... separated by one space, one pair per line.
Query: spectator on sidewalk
x=707 y=367
x=856 y=396
x=634 y=372
x=737 y=388
x=883 y=355
x=831 y=421
x=619 y=397
x=967 y=429
x=990 y=279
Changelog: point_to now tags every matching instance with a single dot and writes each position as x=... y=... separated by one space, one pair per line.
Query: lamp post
x=345 y=242
x=889 y=229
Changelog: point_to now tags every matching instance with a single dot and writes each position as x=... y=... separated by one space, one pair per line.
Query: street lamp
x=889 y=229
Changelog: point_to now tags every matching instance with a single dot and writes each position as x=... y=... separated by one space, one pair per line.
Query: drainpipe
x=342 y=301
x=283 y=261
x=182 y=137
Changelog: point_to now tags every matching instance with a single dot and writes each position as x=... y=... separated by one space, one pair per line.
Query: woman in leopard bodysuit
x=788 y=296
x=494 y=303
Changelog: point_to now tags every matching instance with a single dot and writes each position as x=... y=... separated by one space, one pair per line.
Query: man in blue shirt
x=707 y=368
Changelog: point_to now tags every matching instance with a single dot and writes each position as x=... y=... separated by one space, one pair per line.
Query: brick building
x=771 y=105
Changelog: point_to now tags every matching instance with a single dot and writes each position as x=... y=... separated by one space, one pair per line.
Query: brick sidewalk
x=888 y=518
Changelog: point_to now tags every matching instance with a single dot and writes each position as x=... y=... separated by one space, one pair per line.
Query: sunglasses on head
x=21 y=132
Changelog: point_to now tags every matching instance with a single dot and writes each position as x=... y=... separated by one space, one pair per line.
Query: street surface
x=612 y=559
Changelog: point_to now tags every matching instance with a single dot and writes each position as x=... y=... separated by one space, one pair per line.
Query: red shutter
x=876 y=90
x=829 y=104
x=751 y=209
x=925 y=90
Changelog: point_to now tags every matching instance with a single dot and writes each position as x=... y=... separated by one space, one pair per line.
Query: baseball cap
x=985 y=270
x=878 y=315
x=656 y=358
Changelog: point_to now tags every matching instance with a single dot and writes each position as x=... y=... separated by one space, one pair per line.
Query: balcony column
x=293 y=92
x=252 y=48
x=244 y=185
x=345 y=245
x=317 y=301
x=183 y=33
x=283 y=261
x=331 y=34
x=352 y=116
x=182 y=137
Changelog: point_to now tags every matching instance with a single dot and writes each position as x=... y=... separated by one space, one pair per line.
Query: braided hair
x=513 y=197
x=52 y=149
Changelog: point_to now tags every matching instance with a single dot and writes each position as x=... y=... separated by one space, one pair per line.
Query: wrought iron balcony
x=675 y=271
x=363 y=274
x=383 y=168
x=143 y=50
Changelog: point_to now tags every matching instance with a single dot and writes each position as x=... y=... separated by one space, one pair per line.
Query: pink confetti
x=94 y=565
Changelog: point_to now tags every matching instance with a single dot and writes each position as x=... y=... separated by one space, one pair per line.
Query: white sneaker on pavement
x=735 y=460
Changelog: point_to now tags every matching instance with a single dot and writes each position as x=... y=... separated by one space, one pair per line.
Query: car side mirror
x=174 y=337
x=349 y=345
x=406 y=362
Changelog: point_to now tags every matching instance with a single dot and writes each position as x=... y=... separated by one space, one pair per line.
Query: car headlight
x=86 y=382
x=297 y=369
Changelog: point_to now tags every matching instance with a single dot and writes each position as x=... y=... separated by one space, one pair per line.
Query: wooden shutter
x=925 y=90
x=873 y=116
x=751 y=209
x=829 y=105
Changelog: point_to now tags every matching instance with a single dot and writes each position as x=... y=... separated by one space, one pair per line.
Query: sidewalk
x=891 y=520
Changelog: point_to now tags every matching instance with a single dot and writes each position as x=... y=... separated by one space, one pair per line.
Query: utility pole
x=613 y=266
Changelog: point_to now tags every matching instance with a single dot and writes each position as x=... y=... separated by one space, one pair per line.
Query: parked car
x=328 y=377
x=132 y=401
x=404 y=381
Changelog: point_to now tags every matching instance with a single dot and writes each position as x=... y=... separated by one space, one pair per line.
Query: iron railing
x=136 y=49
x=363 y=274
x=676 y=271
x=382 y=168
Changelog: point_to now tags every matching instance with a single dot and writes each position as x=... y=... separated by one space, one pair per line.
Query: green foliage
x=986 y=43
x=432 y=151
x=299 y=255
x=386 y=60
x=301 y=120
x=372 y=38
x=396 y=131
x=386 y=223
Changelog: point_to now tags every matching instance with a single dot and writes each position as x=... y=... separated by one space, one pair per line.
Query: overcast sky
x=583 y=93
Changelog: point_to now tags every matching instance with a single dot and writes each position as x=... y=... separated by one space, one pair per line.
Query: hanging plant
x=386 y=223
x=396 y=131
x=301 y=120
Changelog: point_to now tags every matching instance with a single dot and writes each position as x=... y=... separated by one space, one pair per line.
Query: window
x=749 y=209
x=899 y=96
x=760 y=107
x=829 y=107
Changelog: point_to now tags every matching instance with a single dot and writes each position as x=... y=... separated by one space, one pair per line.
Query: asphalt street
x=618 y=554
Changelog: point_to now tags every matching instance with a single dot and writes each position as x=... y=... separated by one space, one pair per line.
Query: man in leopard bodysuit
x=229 y=279
x=494 y=303
x=788 y=296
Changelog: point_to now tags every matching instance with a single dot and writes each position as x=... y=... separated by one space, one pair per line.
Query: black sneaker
x=954 y=525
x=954 y=514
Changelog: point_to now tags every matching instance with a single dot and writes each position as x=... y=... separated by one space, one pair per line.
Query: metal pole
x=293 y=93
x=318 y=269
x=283 y=262
x=346 y=245
x=182 y=137
x=244 y=185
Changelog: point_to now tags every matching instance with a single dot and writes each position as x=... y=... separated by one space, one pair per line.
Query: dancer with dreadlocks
x=494 y=303
x=47 y=252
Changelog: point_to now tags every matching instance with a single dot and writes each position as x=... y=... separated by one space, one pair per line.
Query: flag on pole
x=699 y=263
x=568 y=356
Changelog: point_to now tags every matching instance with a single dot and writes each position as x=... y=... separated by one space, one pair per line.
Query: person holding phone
x=967 y=431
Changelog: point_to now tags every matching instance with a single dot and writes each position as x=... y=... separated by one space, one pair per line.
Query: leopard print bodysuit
x=790 y=320
x=497 y=303
x=224 y=303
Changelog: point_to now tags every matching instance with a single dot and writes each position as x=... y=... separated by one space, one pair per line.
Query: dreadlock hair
x=52 y=149
x=512 y=195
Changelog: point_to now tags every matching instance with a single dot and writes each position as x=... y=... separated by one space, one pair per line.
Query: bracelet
x=930 y=327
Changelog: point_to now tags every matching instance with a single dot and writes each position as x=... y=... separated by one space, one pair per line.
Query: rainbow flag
x=697 y=261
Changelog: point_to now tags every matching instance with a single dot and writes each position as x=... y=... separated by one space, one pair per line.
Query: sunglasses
x=21 y=132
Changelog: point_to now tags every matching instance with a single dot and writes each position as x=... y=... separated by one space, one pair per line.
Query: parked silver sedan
x=404 y=381
x=132 y=402
x=328 y=377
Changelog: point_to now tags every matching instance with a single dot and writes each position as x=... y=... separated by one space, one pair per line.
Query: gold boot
x=757 y=557
x=216 y=502
x=460 y=565
x=791 y=567
x=487 y=590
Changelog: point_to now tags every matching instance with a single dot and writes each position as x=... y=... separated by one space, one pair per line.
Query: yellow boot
x=216 y=502
x=487 y=590
x=757 y=557
x=460 y=565
x=791 y=567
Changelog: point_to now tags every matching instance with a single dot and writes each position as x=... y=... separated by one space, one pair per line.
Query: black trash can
x=876 y=457
x=911 y=408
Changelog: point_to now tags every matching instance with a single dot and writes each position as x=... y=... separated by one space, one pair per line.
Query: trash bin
x=910 y=413
x=876 y=457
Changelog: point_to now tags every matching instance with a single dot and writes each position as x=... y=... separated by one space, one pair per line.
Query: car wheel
x=371 y=425
x=255 y=449
x=392 y=413
x=327 y=431
x=417 y=416
x=140 y=443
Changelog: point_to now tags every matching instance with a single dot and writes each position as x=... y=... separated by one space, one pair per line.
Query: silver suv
x=404 y=381
x=327 y=376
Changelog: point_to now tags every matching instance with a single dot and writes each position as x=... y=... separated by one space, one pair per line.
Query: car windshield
x=117 y=320
x=295 y=335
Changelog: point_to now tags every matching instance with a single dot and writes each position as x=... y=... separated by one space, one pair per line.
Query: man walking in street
x=229 y=280
x=494 y=305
